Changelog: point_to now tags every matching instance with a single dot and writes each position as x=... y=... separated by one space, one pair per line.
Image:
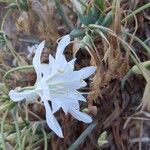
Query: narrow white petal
x=29 y=95
x=45 y=89
x=80 y=115
x=56 y=104
x=62 y=45
x=70 y=65
x=72 y=62
x=60 y=64
x=87 y=71
x=37 y=60
x=51 y=59
x=64 y=103
x=70 y=95
x=71 y=79
x=74 y=104
x=73 y=85
x=65 y=108
x=59 y=103
x=62 y=60
x=51 y=120
x=45 y=70
x=76 y=95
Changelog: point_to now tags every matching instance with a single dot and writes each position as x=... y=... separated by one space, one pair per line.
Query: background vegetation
x=113 y=35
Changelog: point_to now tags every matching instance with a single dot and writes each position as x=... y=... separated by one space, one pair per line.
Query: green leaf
x=2 y=39
x=102 y=139
x=23 y=5
x=107 y=20
x=134 y=70
x=77 y=33
x=92 y=13
x=85 y=41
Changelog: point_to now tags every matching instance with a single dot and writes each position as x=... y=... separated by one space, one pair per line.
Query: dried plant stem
x=133 y=55
x=136 y=11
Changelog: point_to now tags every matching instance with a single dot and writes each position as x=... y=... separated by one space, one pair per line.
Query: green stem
x=139 y=41
x=45 y=140
x=24 y=141
x=15 y=69
x=17 y=129
x=82 y=137
x=135 y=12
x=27 y=88
x=4 y=19
x=2 y=129
x=33 y=134
x=42 y=139
x=9 y=45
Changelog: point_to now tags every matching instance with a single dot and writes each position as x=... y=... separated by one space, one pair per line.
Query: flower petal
x=51 y=120
x=29 y=95
x=70 y=65
x=59 y=65
x=73 y=85
x=87 y=71
x=65 y=108
x=45 y=94
x=74 y=104
x=70 y=80
x=45 y=69
x=37 y=60
x=80 y=115
x=56 y=104
x=60 y=103
x=51 y=59
x=64 y=104
x=76 y=95
x=68 y=95
x=62 y=45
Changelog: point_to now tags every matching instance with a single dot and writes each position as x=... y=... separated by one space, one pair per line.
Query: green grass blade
x=83 y=136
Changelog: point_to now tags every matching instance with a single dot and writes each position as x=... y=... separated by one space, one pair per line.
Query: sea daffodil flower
x=56 y=82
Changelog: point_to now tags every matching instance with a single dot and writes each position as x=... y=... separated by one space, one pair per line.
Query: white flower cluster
x=57 y=82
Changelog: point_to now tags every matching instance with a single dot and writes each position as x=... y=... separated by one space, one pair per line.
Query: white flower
x=31 y=50
x=57 y=82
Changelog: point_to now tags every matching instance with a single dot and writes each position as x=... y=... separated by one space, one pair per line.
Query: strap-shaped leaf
x=83 y=136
